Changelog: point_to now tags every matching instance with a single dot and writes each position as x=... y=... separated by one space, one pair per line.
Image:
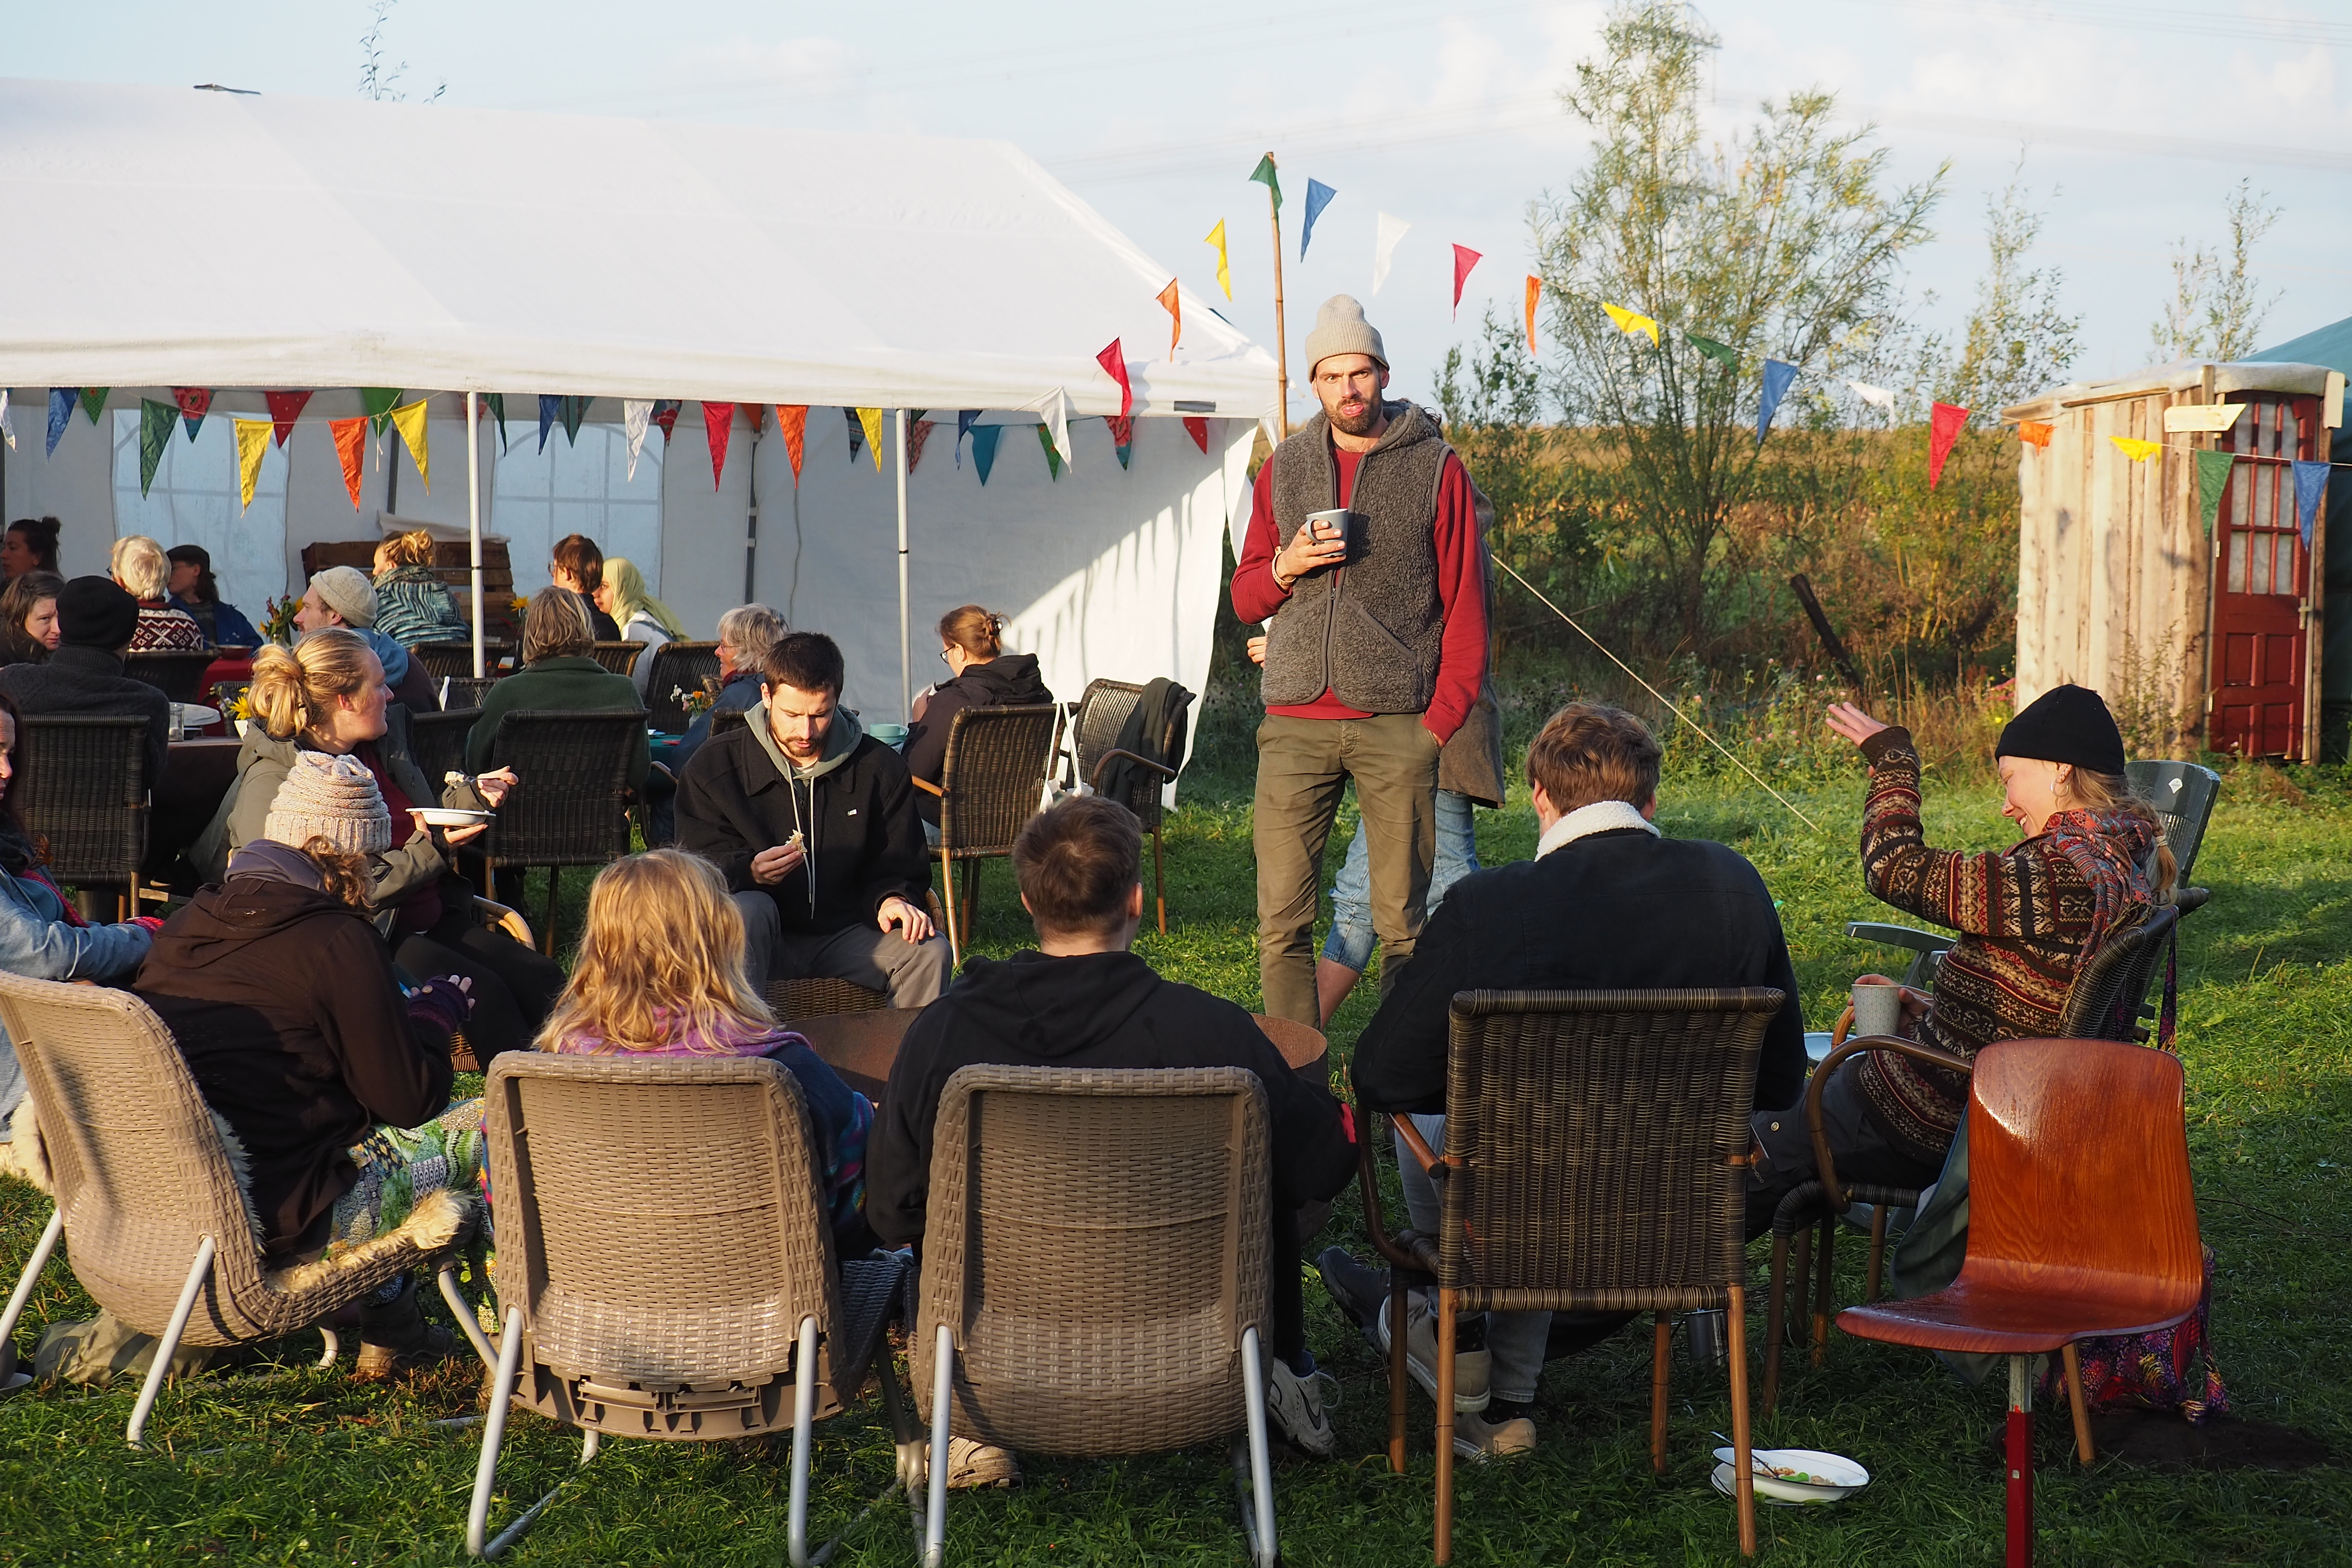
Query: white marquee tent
x=165 y=238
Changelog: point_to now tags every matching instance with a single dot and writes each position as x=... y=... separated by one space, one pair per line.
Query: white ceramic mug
x=1877 y=1009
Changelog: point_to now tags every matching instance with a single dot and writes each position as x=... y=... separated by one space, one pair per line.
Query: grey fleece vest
x=1371 y=629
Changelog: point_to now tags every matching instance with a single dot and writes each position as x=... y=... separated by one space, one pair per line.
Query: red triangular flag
x=756 y=413
x=284 y=407
x=194 y=402
x=1944 y=422
x=1198 y=428
x=916 y=434
x=792 y=423
x=1172 y=302
x=1115 y=364
x=718 y=423
x=1465 y=259
x=350 y=445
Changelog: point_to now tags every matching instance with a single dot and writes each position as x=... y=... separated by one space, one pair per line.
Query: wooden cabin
x=2197 y=641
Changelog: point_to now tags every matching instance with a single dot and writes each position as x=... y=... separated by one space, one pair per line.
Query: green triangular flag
x=1723 y=355
x=1263 y=175
x=155 y=422
x=1053 y=458
x=377 y=402
x=498 y=402
x=2212 y=483
x=93 y=398
x=573 y=411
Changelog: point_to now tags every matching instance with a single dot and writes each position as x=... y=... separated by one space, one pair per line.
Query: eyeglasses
x=943 y=658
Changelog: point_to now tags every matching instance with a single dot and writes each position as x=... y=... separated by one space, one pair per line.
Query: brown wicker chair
x=465 y=692
x=436 y=742
x=992 y=782
x=160 y=1235
x=808 y=998
x=455 y=660
x=725 y=719
x=665 y=1264
x=1596 y=1160
x=1094 y=1274
x=1096 y=725
x=178 y=675
x=571 y=804
x=620 y=657
x=677 y=667
x=81 y=790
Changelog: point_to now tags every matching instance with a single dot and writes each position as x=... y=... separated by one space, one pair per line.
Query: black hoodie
x=1097 y=1010
x=284 y=1003
x=1008 y=680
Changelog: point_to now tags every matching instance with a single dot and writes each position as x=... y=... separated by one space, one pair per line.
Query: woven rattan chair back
x=2183 y=795
x=993 y=777
x=178 y=675
x=1097 y=1244
x=465 y=692
x=1595 y=1141
x=2105 y=1000
x=81 y=790
x=662 y=1226
x=572 y=805
x=818 y=995
x=1102 y=714
x=436 y=741
x=620 y=657
x=455 y=660
x=725 y=719
x=677 y=667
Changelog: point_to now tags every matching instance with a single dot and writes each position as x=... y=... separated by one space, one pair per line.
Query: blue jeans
x=1351 y=941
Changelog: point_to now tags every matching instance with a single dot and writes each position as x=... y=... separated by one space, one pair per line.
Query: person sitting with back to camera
x=980 y=674
x=557 y=673
x=83 y=675
x=140 y=566
x=342 y=596
x=413 y=605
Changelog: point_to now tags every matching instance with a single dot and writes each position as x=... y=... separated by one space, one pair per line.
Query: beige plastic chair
x=162 y=1237
x=1094 y=1270
x=665 y=1264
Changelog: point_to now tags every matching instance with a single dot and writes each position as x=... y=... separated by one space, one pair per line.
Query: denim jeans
x=1515 y=1340
x=1351 y=939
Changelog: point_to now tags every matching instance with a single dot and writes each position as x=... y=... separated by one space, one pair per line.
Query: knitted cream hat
x=1340 y=329
x=348 y=593
x=333 y=798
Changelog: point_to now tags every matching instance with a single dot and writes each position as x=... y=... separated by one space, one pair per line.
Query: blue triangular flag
x=61 y=407
x=2310 y=485
x=964 y=425
x=549 y=407
x=983 y=447
x=1777 y=375
x=1318 y=196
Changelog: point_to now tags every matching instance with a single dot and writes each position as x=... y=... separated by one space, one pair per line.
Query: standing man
x=1375 y=650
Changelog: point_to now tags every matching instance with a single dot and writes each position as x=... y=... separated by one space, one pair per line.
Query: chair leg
x=169 y=1345
x=494 y=1431
x=10 y=1380
x=1661 y=1365
x=935 y=1517
x=2080 y=1409
x=1822 y=1287
x=1801 y=1283
x=1877 y=1251
x=1743 y=1482
x=331 y=1346
x=463 y=1310
x=1397 y=1372
x=1775 y=1320
x=547 y=932
x=804 y=1417
x=1258 y=1518
x=1447 y=1306
x=2021 y=1462
x=948 y=907
x=1158 y=879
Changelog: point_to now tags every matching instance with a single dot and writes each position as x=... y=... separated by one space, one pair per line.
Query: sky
x=2134 y=120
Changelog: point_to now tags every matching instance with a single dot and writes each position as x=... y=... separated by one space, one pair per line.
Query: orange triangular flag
x=1173 y=304
x=2034 y=433
x=1535 y=293
x=792 y=423
x=350 y=445
x=718 y=423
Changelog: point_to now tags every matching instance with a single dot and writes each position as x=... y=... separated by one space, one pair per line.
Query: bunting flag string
x=792 y=423
x=2139 y=451
x=1122 y=437
x=1465 y=259
x=635 y=413
x=983 y=449
x=1112 y=359
x=963 y=428
x=718 y=425
x=61 y=405
x=284 y=407
x=93 y=399
x=753 y=411
x=1055 y=407
x=666 y=415
x=1777 y=375
x=548 y=408
x=1318 y=196
x=1198 y=428
x=1052 y=457
x=918 y=435
x=498 y=402
x=2310 y=486
x=194 y=401
x=351 y=447
x=1535 y=293
x=7 y=427
x=252 y=445
x=2035 y=434
x=378 y=402
x=1631 y=322
x=1173 y=303
x=575 y=414
x=1216 y=237
x=1264 y=175
x=1390 y=230
x=2212 y=484
x=155 y=422
x=1723 y=355
x=409 y=420
x=1876 y=396
x=870 y=421
x=1944 y=423
x=858 y=436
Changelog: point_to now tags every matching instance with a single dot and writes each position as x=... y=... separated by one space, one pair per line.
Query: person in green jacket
x=557 y=672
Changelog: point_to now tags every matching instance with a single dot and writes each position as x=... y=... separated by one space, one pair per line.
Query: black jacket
x=863 y=841
x=1101 y=1010
x=89 y=680
x=1613 y=910
x=1007 y=680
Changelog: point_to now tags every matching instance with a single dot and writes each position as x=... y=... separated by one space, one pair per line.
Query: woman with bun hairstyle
x=413 y=605
x=30 y=545
x=327 y=695
x=29 y=632
x=980 y=674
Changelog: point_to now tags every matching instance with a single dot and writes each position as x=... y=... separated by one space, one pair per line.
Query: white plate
x=1721 y=1476
x=195 y=716
x=1845 y=1477
x=451 y=816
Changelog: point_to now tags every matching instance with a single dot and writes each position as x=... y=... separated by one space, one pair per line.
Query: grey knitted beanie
x=1340 y=329
x=333 y=798
x=348 y=593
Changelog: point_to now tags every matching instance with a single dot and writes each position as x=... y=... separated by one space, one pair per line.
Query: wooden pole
x=1281 y=340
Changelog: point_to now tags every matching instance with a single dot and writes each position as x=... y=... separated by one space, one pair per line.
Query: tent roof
x=161 y=237
x=2330 y=346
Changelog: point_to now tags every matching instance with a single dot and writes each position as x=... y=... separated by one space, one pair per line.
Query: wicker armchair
x=1094 y=1270
x=179 y=675
x=725 y=719
x=817 y=996
x=436 y=741
x=571 y=804
x=620 y=657
x=465 y=692
x=991 y=783
x=1596 y=1158
x=666 y=1267
x=676 y=667
x=1096 y=725
x=80 y=789
x=455 y=660
x=160 y=1235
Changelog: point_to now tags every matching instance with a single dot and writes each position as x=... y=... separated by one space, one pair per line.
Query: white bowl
x=451 y=816
x=1840 y=1478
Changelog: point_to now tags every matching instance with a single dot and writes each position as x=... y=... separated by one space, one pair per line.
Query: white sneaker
x=1477 y=1439
x=1294 y=1406
x=1472 y=1368
x=971 y=1464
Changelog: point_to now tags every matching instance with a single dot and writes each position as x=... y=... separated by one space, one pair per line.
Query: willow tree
x=1783 y=241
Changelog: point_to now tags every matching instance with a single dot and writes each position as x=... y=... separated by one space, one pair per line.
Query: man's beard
x=1360 y=425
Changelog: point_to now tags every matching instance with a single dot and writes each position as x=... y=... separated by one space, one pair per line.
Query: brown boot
x=395 y=1337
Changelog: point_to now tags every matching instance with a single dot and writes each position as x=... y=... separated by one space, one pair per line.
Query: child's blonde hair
x=662 y=958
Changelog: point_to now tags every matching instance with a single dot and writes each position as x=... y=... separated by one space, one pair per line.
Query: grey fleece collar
x=839 y=741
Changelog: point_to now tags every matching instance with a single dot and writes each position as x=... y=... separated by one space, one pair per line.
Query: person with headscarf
x=642 y=618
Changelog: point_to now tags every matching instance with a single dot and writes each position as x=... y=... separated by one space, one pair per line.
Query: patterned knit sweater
x=2023 y=914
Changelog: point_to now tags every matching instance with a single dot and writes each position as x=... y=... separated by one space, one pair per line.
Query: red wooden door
x=2260 y=579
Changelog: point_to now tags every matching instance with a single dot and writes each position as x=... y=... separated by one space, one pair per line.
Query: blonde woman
x=660 y=973
x=327 y=695
x=413 y=604
x=642 y=617
x=144 y=573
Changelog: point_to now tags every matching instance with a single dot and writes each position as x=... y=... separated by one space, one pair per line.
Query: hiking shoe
x=1295 y=1405
x=1477 y=1439
x=1362 y=1293
x=1360 y=1290
x=971 y=1464
x=430 y=1345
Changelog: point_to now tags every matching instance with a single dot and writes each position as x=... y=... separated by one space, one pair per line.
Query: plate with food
x=1796 y=1476
x=451 y=816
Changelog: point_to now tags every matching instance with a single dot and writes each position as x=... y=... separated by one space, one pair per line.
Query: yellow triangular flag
x=252 y=443
x=1628 y=321
x=1216 y=237
x=870 y=420
x=409 y=420
x=2137 y=451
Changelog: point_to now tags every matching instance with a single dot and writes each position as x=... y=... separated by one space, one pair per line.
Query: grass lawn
x=298 y=1466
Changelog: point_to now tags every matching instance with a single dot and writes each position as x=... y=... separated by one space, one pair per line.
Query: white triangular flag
x=7 y=430
x=1877 y=397
x=635 y=413
x=1384 y=247
x=1055 y=407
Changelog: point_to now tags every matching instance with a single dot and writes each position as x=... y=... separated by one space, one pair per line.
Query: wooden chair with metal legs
x=1596 y=1160
x=991 y=782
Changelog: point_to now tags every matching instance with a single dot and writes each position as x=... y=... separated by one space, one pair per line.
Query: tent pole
x=474 y=512
x=905 y=666
x=1281 y=340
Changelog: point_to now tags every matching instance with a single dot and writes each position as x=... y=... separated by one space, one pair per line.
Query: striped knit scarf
x=2108 y=848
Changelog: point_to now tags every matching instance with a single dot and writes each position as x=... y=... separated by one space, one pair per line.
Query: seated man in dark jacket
x=812 y=821
x=95 y=620
x=1085 y=1001
x=1607 y=903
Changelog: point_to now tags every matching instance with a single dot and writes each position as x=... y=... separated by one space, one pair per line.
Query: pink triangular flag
x=1115 y=364
x=1944 y=423
x=1465 y=259
x=718 y=423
